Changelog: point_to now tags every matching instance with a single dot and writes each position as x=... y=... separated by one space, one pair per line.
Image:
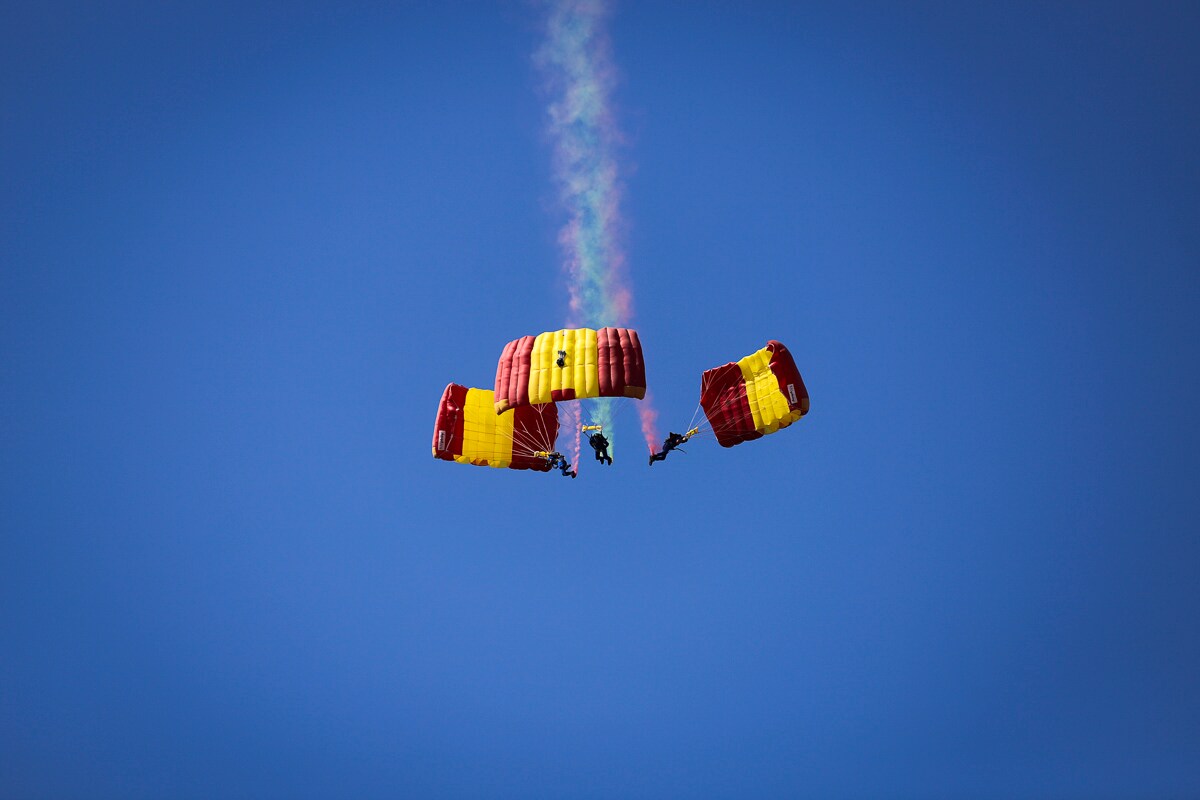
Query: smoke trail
x=649 y=416
x=577 y=61
x=572 y=419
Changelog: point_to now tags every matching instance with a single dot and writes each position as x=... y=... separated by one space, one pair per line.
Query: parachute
x=758 y=395
x=468 y=430
x=570 y=364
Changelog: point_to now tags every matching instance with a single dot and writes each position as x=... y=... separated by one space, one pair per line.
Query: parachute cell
x=758 y=395
x=469 y=431
x=570 y=364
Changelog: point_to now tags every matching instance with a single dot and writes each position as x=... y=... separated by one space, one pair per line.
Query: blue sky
x=242 y=251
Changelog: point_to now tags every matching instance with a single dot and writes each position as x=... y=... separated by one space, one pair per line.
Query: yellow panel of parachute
x=769 y=407
x=579 y=379
x=487 y=436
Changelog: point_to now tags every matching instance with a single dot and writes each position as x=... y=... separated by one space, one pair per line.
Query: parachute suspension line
x=707 y=427
x=618 y=409
x=527 y=444
x=710 y=430
x=547 y=439
x=592 y=416
x=532 y=439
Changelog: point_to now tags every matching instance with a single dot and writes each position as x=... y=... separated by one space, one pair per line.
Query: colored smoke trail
x=577 y=60
x=649 y=418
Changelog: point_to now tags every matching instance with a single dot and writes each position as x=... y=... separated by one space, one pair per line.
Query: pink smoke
x=649 y=417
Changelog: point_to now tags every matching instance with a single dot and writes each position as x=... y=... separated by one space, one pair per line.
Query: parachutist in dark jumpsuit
x=672 y=441
x=600 y=445
x=559 y=461
x=562 y=358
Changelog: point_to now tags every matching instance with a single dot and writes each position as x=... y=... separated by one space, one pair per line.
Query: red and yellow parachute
x=570 y=364
x=469 y=431
x=758 y=395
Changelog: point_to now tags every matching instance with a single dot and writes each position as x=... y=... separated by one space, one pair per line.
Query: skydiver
x=672 y=441
x=562 y=358
x=600 y=445
x=558 y=460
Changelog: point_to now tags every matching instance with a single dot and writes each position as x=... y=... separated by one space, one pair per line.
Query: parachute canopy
x=468 y=431
x=758 y=395
x=570 y=364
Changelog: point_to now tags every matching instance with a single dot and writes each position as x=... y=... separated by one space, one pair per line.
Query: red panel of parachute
x=723 y=398
x=448 y=425
x=620 y=363
x=512 y=372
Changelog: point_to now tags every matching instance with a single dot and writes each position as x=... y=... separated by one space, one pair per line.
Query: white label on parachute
x=441 y=440
x=792 y=391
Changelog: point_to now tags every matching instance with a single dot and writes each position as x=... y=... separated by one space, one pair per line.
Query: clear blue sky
x=242 y=251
